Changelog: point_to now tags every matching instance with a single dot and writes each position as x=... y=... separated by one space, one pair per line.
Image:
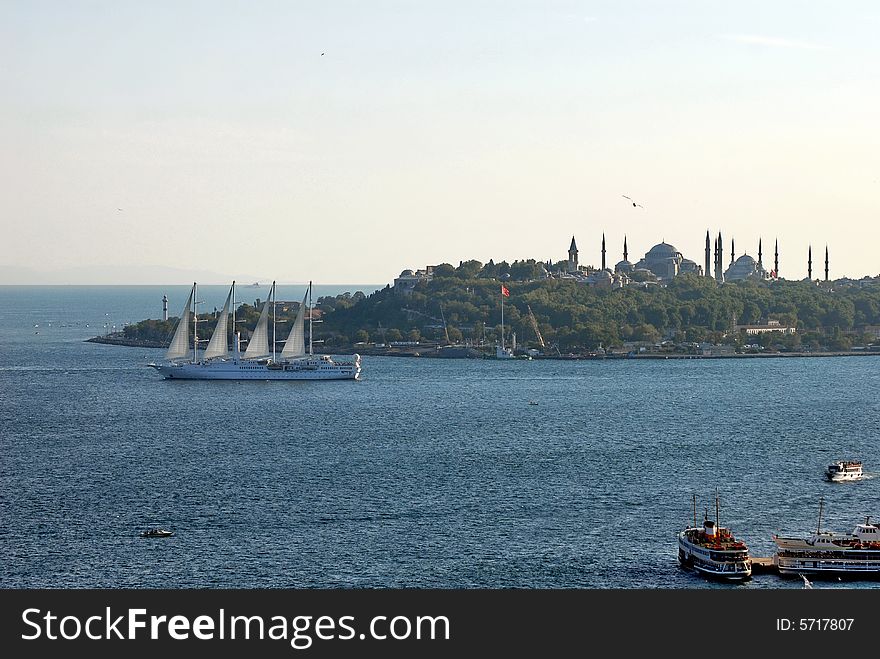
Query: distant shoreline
x=458 y=352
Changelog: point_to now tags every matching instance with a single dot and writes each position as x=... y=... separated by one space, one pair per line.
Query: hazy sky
x=215 y=136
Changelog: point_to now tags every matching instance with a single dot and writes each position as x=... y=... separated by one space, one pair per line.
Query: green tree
x=444 y=270
x=468 y=269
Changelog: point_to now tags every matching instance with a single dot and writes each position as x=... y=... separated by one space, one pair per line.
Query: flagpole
x=502 y=317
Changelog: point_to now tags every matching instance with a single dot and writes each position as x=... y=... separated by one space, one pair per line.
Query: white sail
x=258 y=345
x=295 y=346
x=180 y=343
x=218 y=346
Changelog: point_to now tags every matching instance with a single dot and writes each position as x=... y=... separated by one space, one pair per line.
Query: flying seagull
x=633 y=203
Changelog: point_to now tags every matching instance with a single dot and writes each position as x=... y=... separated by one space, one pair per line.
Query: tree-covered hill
x=576 y=316
x=464 y=304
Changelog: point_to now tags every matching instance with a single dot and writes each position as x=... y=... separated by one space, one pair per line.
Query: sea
x=426 y=473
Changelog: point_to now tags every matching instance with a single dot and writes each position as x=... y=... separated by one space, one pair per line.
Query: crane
x=438 y=322
x=411 y=312
x=535 y=327
x=445 y=329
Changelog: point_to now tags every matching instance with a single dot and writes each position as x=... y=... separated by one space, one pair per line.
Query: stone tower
x=573 y=256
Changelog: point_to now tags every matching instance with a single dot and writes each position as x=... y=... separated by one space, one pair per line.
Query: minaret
x=715 y=260
x=707 y=272
x=826 y=262
x=776 y=258
x=719 y=274
x=760 y=259
x=573 y=256
x=810 y=263
x=164 y=307
x=732 y=253
x=603 y=251
x=625 y=252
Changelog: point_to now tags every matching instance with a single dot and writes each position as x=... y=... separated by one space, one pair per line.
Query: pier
x=763 y=566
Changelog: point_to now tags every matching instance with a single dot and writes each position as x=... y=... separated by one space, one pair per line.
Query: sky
x=343 y=142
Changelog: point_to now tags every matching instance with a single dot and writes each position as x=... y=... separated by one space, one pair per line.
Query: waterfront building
x=769 y=326
x=406 y=282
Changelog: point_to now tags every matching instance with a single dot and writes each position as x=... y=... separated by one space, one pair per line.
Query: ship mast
x=234 y=342
x=311 y=349
x=274 y=296
x=195 y=323
x=695 y=511
x=717 y=519
x=502 y=321
x=819 y=525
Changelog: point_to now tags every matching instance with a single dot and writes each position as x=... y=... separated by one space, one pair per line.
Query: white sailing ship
x=258 y=361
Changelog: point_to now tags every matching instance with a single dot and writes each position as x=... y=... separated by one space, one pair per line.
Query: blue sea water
x=427 y=473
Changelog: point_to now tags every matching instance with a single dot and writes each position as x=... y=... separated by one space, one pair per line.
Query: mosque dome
x=662 y=251
x=744 y=268
x=624 y=266
x=406 y=273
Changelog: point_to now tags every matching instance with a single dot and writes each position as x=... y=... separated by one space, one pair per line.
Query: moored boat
x=828 y=552
x=713 y=550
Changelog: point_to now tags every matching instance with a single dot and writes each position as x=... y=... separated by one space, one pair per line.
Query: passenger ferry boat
x=844 y=470
x=827 y=552
x=712 y=550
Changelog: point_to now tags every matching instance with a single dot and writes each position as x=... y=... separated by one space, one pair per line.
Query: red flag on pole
x=504 y=291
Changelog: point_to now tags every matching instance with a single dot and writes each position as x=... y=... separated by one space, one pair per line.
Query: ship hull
x=856 y=562
x=241 y=370
x=841 y=478
x=794 y=566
